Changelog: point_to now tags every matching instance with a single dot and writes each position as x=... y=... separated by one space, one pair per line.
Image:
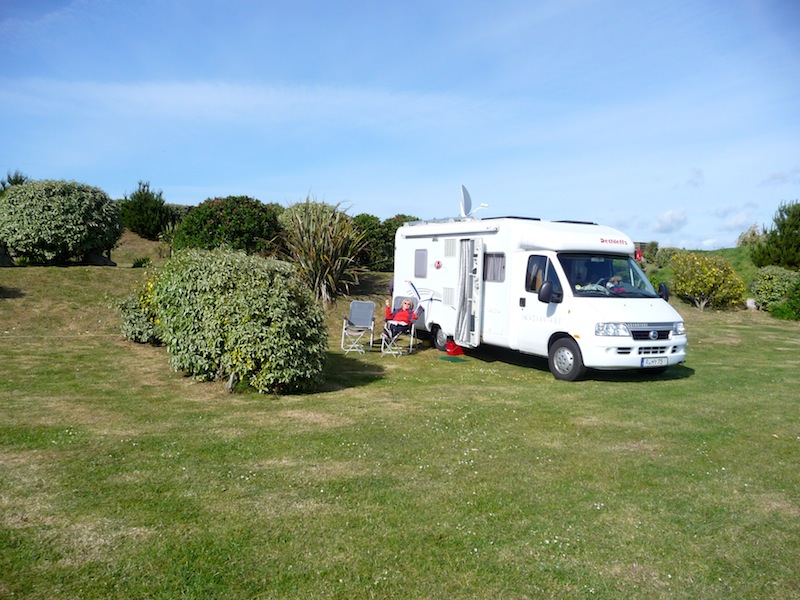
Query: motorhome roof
x=528 y=234
x=472 y=219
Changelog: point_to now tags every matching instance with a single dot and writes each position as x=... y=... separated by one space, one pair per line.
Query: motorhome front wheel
x=565 y=360
x=440 y=339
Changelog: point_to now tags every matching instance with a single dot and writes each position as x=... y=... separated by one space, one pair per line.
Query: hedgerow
x=706 y=280
x=51 y=221
x=227 y=315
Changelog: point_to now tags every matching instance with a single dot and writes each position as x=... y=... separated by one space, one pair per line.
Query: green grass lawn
x=411 y=477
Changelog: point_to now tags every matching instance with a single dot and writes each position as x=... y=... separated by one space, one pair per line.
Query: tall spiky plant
x=323 y=242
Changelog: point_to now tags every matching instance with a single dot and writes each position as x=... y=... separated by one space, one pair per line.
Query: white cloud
x=737 y=222
x=672 y=220
x=790 y=177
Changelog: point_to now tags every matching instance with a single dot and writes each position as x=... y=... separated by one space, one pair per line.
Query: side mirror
x=663 y=291
x=547 y=294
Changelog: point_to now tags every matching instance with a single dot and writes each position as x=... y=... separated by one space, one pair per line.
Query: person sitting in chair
x=399 y=321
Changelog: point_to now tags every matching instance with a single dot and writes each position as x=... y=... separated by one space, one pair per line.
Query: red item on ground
x=453 y=349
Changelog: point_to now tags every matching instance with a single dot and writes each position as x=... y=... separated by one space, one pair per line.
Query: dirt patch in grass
x=25 y=501
x=640 y=576
x=638 y=447
x=95 y=541
x=773 y=503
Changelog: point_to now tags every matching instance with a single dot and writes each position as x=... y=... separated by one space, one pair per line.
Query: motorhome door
x=469 y=295
x=537 y=320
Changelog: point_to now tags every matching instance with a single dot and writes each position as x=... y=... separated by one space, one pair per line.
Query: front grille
x=644 y=350
x=644 y=334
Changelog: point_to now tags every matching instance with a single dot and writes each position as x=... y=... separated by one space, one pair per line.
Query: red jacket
x=402 y=315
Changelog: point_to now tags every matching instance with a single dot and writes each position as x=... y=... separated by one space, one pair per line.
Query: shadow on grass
x=372 y=284
x=494 y=354
x=343 y=371
x=11 y=293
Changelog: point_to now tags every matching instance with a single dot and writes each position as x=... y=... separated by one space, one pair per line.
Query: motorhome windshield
x=605 y=275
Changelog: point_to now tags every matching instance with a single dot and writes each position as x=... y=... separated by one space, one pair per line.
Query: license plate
x=660 y=361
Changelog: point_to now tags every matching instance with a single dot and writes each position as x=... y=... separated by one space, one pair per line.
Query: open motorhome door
x=469 y=308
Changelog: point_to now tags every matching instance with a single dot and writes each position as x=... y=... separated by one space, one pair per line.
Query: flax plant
x=323 y=242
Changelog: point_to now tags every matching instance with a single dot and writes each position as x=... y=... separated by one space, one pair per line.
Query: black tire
x=439 y=339
x=565 y=360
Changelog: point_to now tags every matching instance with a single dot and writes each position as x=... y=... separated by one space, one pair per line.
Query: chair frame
x=392 y=345
x=359 y=322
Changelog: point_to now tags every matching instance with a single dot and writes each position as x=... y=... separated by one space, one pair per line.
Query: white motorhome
x=568 y=291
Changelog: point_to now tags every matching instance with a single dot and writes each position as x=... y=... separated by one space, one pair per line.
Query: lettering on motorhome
x=612 y=241
x=538 y=319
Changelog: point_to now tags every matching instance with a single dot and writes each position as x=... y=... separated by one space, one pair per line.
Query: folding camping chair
x=395 y=344
x=356 y=325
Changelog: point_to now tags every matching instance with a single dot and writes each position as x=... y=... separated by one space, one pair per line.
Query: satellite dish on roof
x=466 y=204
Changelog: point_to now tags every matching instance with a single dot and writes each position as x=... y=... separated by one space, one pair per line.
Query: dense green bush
x=650 y=252
x=54 y=221
x=706 y=280
x=225 y=314
x=144 y=212
x=378 y=251
x=781 y=244
x=139 y=318
x=371 y=255
x=789 y=309
x=178 y=212
x=663 y=256
x=239 y=222
x=772 y=285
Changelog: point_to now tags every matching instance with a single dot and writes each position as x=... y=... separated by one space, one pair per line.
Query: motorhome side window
x=540 y=269
x=421 y=264
x=494 y=266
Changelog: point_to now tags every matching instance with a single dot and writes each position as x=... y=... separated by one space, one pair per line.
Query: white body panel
x=430 y=263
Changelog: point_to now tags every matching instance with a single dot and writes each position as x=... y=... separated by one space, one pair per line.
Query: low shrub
x=139 y=320
x=659 y=276
x=772 y=286
x=224 y=314
x=51 y=222
x=706 y=280
x=789 y=309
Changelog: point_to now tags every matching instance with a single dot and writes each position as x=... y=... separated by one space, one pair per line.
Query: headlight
x=612 y=329
x=678 y=328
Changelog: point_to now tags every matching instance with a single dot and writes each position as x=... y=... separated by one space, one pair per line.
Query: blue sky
x=676 y=121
